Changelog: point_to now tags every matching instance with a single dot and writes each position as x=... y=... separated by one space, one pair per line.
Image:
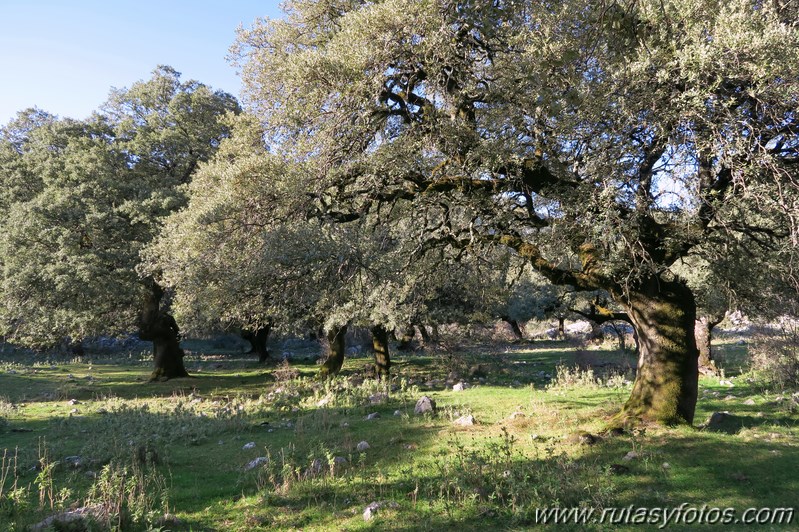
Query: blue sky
x=63 y=56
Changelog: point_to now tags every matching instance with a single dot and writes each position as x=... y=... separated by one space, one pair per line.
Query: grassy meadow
x=241 y=446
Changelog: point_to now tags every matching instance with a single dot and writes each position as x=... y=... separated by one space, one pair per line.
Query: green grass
x=441 y=476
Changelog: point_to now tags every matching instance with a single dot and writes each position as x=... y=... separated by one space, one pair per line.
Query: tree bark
x=336 y=345
x=406 y=339
x=258 y=339
x=514 y=327
x=666 y=383
x=380 y=346
x=159 y=327
x=562 y=326
x=424 y=333
x=703 y=331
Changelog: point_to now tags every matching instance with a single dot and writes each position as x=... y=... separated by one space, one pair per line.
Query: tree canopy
x=84 y=197
x=603 y=142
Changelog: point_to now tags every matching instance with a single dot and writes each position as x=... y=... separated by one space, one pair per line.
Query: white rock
x=425 y=405
x=252 y=464
x=362 y=446
x=465 y=421
x=373 y=415
x=250 y=445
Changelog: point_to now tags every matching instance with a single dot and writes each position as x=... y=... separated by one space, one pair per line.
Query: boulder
x=425 y=405
x=465 y=421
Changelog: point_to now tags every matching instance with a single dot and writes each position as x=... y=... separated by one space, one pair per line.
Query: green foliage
x=83 y=198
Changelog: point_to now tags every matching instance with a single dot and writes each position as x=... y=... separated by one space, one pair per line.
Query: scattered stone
x=749 y=402
x=373 y=508
x=583 y=438
x=717 y=418
x=73 y=411
x=425 y=405
x=535 y=436
x=250 y=445
x=339 y=462
x=74 y=402
x=740 y=477
x=324 y=401
x=459 y=387
x=252 y=464
x=378 y=398
x=362 y=446
x=729 y=398
x=727 y=383
x=632 y=455
x=12 y=372
x=61 y=521
x=465 y=421
x=344 y=424
x=666 y=466
x=373 y=415
x=517 y=415
x=397 y=412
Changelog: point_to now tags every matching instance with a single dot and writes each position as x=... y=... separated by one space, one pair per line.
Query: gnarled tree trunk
x=703 y=332
x=665 y=388
x=406 y=338
x=426 y=338
x=160 y=328
x=514 y=327
x=336 y=345
x=380 y=347
x=258 y=339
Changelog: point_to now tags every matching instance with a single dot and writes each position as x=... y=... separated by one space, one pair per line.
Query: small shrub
x=13 y=496
x=573 y=377
x=774 y=355
x=569 y=377
x=285 y=372
x=128 y=496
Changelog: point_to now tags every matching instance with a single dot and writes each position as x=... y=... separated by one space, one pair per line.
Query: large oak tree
x=602 y=141
x=84 y=197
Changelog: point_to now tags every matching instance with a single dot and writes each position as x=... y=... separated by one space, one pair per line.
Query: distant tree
x=602 y=141
x=85 y=197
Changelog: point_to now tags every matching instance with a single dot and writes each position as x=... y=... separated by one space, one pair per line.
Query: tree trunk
x=597 y=335
x=665 y=388
x=514 y=327
x=258 y=339
x=425 y=335
x=160 y=328
x=406 y=339
x=380 y=346
x=703 y=331
x=562 y=326
x=336 y=344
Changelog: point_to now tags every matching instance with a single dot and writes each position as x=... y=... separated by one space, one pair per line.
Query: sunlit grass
x=522 y=452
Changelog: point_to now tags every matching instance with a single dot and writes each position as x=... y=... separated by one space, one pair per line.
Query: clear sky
x=64 y=56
